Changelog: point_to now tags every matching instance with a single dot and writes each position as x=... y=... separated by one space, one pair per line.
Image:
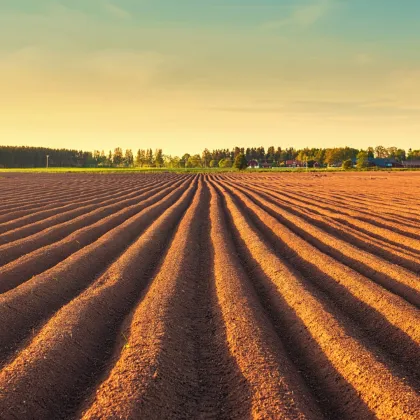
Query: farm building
x=253 y=164
x=411 y=163
x=294 y=163
x=266 y=165
x=385 y=163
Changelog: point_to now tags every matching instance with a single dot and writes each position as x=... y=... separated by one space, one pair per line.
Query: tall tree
x=140 y=157
x=194 y=162
x=240 y=162
x=206 y=157
x=270 y=153
x=363 y=159
x=184 y=159
x=413 y=154
x=236 y=151
x=158 y=158
x=225 y=163
x=381 y=152
x=128 y=158
x=332 y=156
x=149 y=157
x=118 y=156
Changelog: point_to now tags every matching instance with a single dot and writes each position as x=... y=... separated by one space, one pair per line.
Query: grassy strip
x=194 y=170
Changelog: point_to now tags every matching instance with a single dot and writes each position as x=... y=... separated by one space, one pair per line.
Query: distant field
x=222 y=295
x=191 y=170
x=114 y=170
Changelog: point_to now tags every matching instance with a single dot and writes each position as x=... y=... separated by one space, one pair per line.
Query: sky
x=188 y=74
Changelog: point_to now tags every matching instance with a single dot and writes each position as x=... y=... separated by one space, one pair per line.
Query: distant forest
x=36 y=157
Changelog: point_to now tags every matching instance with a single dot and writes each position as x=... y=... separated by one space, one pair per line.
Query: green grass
x=194 y=170
x=114 y=170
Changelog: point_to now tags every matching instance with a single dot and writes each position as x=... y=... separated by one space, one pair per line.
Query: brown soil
x=227 y=296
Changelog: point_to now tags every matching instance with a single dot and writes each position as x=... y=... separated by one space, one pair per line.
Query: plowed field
x=227 y=296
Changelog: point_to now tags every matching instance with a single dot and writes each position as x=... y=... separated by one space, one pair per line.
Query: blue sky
x=184 y=75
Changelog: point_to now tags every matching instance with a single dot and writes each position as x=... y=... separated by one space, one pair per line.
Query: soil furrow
x=328 y=199
x=68 y=196
x=43 y=258
x=222 y=295
x=24 y=307
x=391 y=322
x=277 y=390
x=58 y=198
x=36 y=196
x=398 y=240
x=348 y=214
x=391 y=253
x=144 y=381
x=72 y=347
x=361 y=205
x=33 y=223
x=13 y=250
x=375 y=385
x=393 y=278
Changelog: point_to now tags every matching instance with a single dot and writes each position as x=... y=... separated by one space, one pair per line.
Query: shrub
x=225 y=163
x=240 y=162
x=362 y=159
x=347 y=164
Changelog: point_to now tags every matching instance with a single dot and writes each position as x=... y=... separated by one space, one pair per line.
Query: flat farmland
x=210 y=296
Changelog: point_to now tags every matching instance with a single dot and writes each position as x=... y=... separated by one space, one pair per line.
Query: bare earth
x=229 y=296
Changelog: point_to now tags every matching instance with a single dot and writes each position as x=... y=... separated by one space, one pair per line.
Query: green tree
x=102 y=158
x=128 y=158
x=194 y=162
x=320 y=156
x=332 y=156
x=381 y=152
x=140 y=157
x=184 y=160
x=149 y=158
x=363 y=159
x=97 y=156
x=240 y=162
x=159 y=158
x=206 y=157
x=347 y=164
x=304 y=155
x=213 y=163
x=118 y=156
x=413 y=154
x=173 y=162
x=225 y=163
x=400 y=155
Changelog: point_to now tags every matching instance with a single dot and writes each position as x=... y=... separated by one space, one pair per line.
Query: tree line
x=36 y=157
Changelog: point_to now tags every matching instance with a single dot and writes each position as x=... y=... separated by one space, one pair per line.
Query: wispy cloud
x=353 y=109
x=117 y=11
x=303 y=15
x=249 y=109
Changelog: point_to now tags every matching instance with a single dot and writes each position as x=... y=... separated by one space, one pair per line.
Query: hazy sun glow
x=188 y=74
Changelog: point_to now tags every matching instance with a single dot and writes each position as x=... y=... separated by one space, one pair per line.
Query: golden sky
x=192 y=74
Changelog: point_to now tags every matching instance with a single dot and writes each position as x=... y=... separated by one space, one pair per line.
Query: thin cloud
x=373 y=109
x=303 y=15
x=116 y=11
x=249 y=110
